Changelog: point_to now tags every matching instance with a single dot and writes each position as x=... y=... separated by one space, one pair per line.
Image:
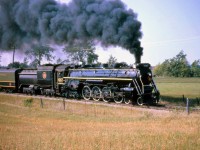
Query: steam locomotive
x=119 y=84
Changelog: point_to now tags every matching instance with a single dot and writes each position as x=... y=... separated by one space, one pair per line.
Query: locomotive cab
x=61 y=71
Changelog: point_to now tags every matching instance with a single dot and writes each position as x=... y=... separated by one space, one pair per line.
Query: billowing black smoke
x=24 y=22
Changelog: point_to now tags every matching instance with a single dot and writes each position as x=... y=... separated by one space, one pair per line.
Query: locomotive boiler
x=120 y=85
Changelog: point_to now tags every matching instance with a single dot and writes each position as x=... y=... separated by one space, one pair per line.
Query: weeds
x=83 y=126
x=28 y=102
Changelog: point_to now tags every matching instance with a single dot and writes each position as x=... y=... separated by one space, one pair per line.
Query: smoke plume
x=24 y=22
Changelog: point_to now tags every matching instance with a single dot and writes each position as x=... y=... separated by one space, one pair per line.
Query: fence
x=189 y=104
x=182 y=102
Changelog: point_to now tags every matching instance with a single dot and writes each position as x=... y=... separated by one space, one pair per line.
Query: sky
x=168 y=27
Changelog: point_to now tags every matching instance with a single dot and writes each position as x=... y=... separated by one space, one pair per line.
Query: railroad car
x=28 y=81
x=9 y=79
x=45 y=80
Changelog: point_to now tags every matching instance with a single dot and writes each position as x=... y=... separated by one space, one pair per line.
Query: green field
x=174 y=88
x=25 y=125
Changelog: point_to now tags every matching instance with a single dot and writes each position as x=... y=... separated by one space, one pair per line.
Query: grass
x=93 y=127
x=173 y=89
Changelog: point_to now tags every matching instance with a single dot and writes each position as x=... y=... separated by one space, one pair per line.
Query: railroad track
x=158 y=107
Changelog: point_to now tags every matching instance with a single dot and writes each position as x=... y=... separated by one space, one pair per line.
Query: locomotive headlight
x=149 y=77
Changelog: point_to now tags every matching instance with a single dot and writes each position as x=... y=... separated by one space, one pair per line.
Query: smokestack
x=109 y=22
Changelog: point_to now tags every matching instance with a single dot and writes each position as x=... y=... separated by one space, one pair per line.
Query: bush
x=28 y=102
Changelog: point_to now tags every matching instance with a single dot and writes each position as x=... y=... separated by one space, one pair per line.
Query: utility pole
x=0 y=59
x=13 y=54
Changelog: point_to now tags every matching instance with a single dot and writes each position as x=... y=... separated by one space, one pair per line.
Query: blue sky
x=168 y=27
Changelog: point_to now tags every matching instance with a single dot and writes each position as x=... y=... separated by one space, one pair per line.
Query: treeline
x=78 y=52
x=178 y=66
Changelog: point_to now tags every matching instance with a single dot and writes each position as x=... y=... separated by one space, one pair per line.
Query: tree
x=177 y=67
x=18 y=65
x=195 y=68
x=38 y=52
x=163 y=69
x=81 y=51
x=111 y=61
x=60 y=61
x=92 y=57
x=158 y=71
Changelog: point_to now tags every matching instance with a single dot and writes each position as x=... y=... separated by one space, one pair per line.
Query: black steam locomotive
x=119 y=84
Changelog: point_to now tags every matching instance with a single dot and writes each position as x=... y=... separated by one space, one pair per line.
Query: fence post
x=183 y=99
x=197 y=101
x=63 y=103
x=41 y=103
x=187 y=106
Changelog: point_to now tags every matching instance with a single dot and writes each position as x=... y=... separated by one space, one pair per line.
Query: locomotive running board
x=86 y=78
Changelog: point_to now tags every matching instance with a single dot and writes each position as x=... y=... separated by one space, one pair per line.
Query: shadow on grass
x=181 y=101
